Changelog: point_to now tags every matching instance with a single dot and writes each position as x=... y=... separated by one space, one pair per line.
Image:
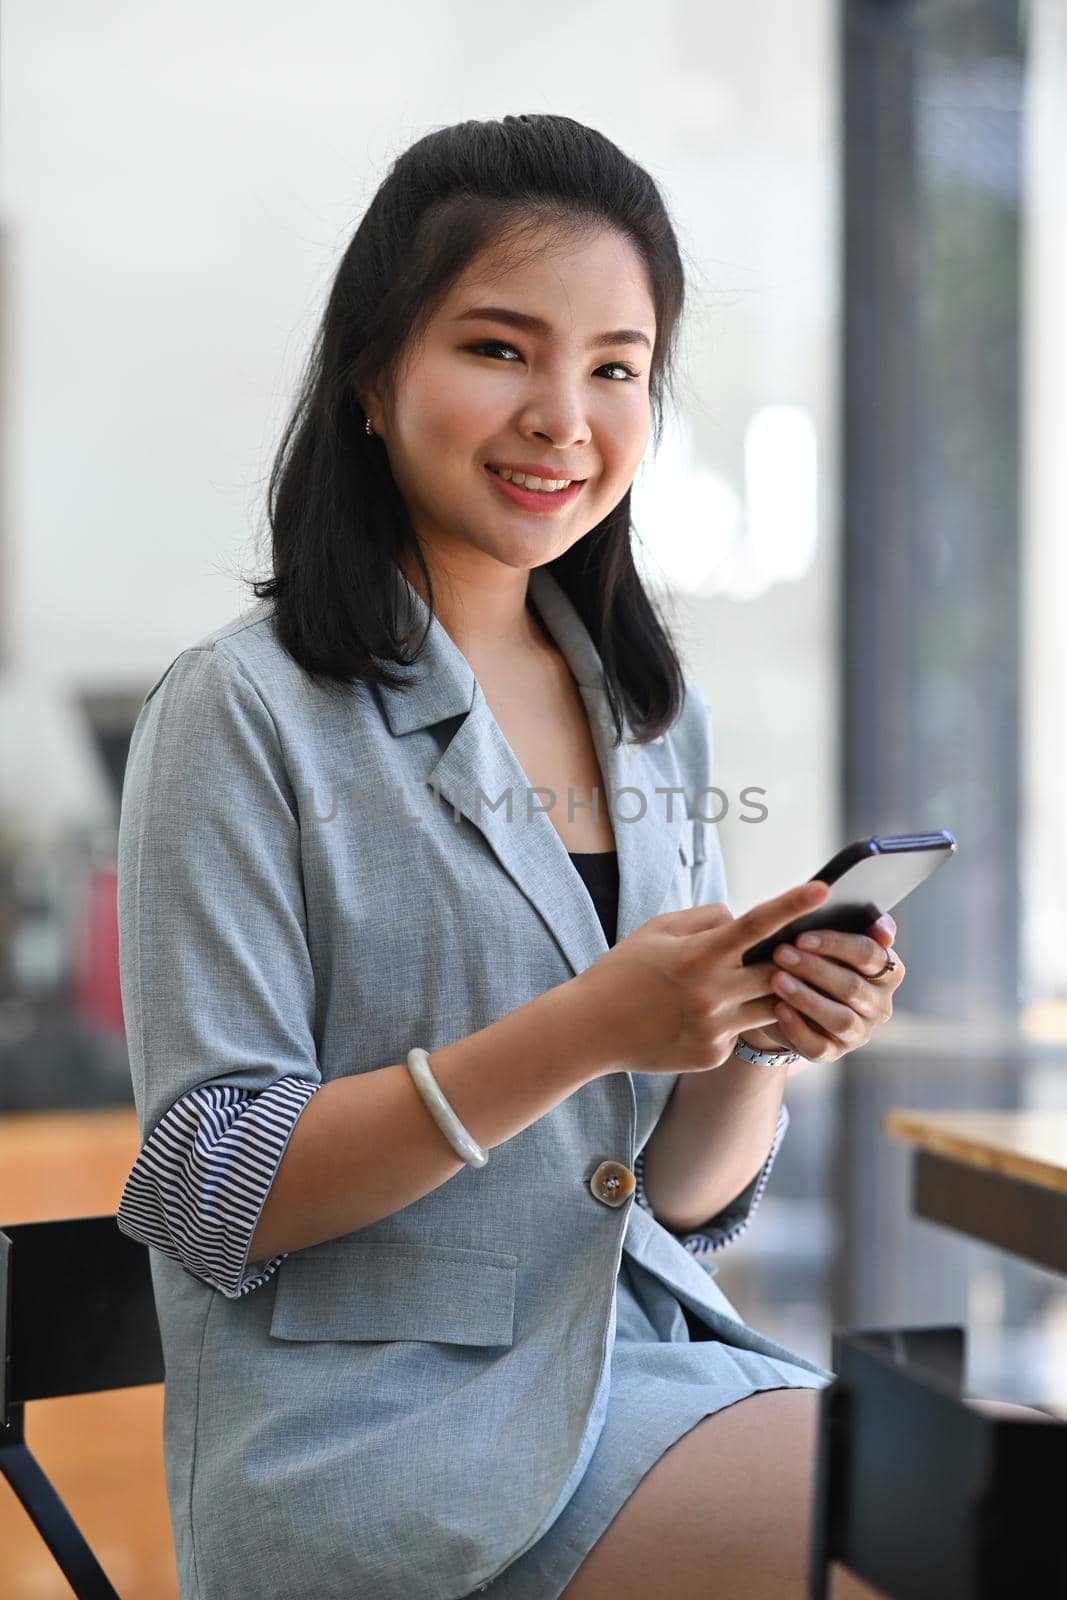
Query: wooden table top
x=56 y=1164
x=1028 y=1145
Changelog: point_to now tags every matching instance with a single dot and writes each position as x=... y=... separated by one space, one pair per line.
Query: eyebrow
x=530 y=324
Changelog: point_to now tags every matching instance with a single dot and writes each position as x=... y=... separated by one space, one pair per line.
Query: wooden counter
x=997 y=1176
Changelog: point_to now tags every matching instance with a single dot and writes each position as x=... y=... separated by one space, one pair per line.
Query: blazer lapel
x=478 y=773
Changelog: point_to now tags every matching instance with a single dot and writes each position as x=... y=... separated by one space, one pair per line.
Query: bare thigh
x=1008 y=1410
x=726 y=1511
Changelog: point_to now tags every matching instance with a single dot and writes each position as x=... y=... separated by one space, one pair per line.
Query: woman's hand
x=674 y=995
x=839 y=1002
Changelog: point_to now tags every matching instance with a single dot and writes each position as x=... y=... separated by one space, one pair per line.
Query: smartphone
x=865 y=878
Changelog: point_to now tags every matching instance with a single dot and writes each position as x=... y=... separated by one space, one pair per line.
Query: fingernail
x=808 y=941
x=788 y=955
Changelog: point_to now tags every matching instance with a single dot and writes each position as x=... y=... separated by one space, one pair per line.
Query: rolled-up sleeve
x=198 y=1187
x=726 y=1225
x=218 y=988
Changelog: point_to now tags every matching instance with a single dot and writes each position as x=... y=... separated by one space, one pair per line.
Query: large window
x=1044 y=395
x=950 y=572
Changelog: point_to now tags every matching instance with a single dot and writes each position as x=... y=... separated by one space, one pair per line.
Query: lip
x=536 y=471
x=535 y=500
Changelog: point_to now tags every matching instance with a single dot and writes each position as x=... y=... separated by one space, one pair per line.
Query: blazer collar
x=478 y=757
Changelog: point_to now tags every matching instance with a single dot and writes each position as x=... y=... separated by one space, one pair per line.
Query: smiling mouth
x=534 y=501
x=504 y=473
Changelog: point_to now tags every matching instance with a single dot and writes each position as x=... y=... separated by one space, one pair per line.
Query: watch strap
x=765 y=1058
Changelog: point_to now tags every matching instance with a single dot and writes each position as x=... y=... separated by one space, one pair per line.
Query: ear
x=370 y=406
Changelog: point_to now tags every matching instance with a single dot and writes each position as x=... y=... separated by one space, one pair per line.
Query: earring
x=370 y=430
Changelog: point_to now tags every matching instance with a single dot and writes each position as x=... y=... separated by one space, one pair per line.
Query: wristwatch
x=765 y=1058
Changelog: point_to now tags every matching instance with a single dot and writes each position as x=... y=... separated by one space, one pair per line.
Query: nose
x=560 y=420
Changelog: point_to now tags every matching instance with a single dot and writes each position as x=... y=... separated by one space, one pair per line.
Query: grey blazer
x=310 y=882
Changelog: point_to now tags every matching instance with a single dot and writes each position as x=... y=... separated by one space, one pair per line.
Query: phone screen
x=865 y=878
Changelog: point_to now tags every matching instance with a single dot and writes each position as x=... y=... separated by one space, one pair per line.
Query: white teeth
x=545 y=485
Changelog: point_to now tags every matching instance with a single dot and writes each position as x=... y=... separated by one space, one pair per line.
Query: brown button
x=612 y=1183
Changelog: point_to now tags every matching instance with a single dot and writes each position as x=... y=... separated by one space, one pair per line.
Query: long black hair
x=339 y=526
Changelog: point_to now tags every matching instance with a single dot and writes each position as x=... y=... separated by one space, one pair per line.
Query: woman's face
x=479 y=390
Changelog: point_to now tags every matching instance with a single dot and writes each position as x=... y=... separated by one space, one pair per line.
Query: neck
x=487 y=615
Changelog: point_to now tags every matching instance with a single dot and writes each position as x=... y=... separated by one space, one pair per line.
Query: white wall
x=179 y=182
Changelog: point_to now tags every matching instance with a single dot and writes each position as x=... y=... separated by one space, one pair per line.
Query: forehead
x=569 y=281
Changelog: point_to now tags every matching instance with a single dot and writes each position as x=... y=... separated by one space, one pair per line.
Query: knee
x=1007 y=1410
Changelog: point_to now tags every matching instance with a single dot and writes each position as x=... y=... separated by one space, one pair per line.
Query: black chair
x=923 y=1496
x=77 y=1316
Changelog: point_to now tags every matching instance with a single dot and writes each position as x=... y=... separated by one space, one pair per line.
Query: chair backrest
x=77 y=1314
x=921 y=1495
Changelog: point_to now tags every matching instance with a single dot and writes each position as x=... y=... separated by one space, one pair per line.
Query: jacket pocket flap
x=364 y=1290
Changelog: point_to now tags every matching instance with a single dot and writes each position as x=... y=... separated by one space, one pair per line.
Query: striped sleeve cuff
x=202 y=1178
x=726 y=1225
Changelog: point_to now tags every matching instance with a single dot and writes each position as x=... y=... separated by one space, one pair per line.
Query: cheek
x=471 y=403
x=444 y=419
x=622 y=440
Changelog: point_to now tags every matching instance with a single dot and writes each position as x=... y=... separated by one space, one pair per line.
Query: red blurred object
x=97 y=995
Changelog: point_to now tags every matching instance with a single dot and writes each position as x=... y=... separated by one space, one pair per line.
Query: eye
x=498 y=344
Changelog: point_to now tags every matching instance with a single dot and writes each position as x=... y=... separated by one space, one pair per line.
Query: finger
x=750 y=985
x=709 y=914
x=832 y=978
x=758 y=1013
x=807 y=1037
x=856 y=950
x=770 y=915
x=840 y=1022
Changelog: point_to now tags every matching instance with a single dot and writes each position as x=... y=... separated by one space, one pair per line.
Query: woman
x=440 y=1323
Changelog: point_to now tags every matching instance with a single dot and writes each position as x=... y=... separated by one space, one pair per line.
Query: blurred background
x=856 y=522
